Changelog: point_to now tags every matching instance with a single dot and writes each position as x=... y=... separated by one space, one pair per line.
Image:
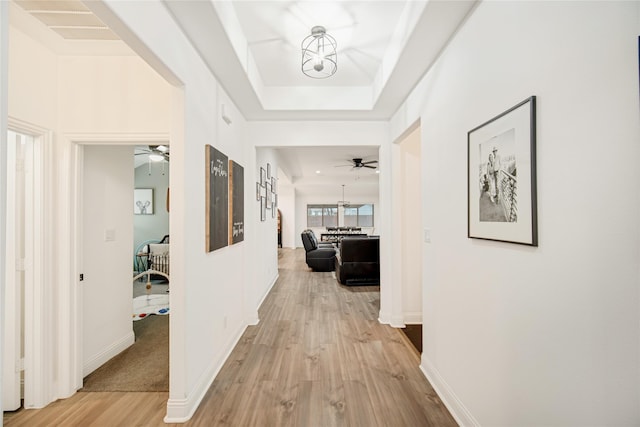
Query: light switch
x=427 y=235
x=109 y=235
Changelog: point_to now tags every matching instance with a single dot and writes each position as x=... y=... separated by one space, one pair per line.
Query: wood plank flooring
x=319 y=357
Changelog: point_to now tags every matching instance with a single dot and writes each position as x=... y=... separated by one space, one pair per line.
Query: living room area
x=329 y=200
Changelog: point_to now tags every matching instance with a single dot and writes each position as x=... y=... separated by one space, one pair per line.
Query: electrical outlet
x=427 y=235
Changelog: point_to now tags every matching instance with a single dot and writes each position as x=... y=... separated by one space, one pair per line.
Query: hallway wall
x=82 y=97
x=517 y=335
x=217 y=289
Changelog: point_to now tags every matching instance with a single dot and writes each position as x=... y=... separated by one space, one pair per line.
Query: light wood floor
x=319 y=357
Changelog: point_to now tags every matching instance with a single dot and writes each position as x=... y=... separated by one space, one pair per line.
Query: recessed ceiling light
x=377 y=170
x=317 y=172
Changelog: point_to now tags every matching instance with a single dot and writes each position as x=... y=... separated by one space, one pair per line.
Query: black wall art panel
x=236 y=227
x=217 y=199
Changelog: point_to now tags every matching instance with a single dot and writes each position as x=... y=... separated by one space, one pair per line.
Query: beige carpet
x=142 y=367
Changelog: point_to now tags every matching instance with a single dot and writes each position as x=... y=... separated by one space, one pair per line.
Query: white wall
x=215 y=289
x=287 y=206
x=108 y=236
x=80 y=99
x=523 y=336
x=265 y=261
x=156 y=226
x=33 y=97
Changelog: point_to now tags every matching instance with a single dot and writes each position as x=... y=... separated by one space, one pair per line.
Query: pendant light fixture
x=319 y=58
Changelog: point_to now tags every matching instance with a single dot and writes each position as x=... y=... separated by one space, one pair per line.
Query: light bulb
x=156 y=157
x=318 y=64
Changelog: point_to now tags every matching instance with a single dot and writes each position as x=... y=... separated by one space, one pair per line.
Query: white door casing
x=33 y=261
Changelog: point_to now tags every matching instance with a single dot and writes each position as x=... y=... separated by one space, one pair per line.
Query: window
x=322 y=216
x=327 y=216
x=358 y=215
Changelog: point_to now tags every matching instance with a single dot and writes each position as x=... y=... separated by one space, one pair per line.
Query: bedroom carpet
x=142 y=367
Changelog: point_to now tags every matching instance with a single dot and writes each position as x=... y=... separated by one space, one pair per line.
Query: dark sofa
x=319 y=256
x=358 y=261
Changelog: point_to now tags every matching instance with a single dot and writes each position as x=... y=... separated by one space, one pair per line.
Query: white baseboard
x=181 y=410
x=384 y=318
x=455 y=406
x=413 y=318
x=397 y=322
x=108 y=353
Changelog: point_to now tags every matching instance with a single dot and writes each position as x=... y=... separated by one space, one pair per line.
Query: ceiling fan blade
x=343 y=166
x=369 y=162
x=370 y=167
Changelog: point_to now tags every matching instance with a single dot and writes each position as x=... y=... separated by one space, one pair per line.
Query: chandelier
x=319 y=58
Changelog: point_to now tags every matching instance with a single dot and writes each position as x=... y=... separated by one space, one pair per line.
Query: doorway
x=116 y=344
x=408 y=186
x=26 y=375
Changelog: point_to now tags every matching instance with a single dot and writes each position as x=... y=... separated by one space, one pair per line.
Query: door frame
x=38 y=312
x=71 y=338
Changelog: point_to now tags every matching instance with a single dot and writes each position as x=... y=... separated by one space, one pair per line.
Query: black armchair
x=318 y=258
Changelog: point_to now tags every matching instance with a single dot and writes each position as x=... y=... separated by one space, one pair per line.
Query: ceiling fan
x=359 y=164
x=156 y=153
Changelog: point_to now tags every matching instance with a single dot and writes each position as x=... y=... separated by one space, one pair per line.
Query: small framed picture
x=263 y=209
x=273 y=184
x=273 y=210
x=268 y=171
x=143 y=201
x=258 y=191
x=263 y=176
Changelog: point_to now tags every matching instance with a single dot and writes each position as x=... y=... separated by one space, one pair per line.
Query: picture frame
x=273 y=209
x=143 y=201
x=268 y=171
x=258 y=187
x=269 y=196
x=273 y=184
x=263 y=176
x=263 y=209
x=501 y=177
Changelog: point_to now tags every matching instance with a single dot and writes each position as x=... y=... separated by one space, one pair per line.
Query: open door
x=13 y=330
x=26 y=369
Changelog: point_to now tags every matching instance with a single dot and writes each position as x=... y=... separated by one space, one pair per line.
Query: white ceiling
x=323 y=170
x=253 y=48
x=274 y=31
x=384 y=48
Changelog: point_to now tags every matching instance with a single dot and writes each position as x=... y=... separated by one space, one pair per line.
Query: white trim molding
x=108 y=353
x=181 y=410
x=69 y=228
x=455 y=406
